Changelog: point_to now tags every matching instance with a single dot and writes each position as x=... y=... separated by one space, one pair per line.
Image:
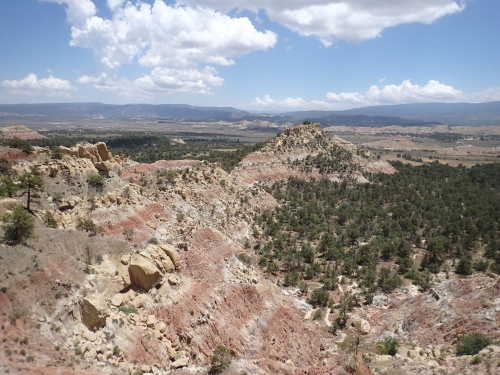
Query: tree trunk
x=29 y=198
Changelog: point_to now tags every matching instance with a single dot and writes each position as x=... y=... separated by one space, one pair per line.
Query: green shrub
x=291 y=278
x=97 y=181
x=464 y=266
x=128 y=310
x=19 y=225
x=154 y=241
x=48 y=217
x=318 y=314
x=221 y=358
x=319 y=297
x=88 y=225
x=56 y=152
x=481 y=265
x=472 y=344
x=303 y=287
x=389 y=346
x=476 y=360
x=53 y=172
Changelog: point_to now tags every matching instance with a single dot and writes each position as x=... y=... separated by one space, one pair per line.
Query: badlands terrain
x=152 y=267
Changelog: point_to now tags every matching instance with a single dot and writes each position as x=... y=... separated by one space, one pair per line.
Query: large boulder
x=172 y=254
x=86 y=149
x=143 y=272
x=94 y=311
x=103 y=151
x=104 y=166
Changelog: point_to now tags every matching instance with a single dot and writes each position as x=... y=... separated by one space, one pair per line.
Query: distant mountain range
x=472 y=114
x=402 y=115
x=89 y=110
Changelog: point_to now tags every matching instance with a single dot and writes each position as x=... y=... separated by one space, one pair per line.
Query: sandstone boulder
x=172 y=254
x=103 y=151
x=94 y=311
x=64 y=206
x=89 y=336
x=104 y=166
x=161 y=327
x=182 y=362
x=174 y=279
x=117 y=299
x=143 y=272
x=151 y=321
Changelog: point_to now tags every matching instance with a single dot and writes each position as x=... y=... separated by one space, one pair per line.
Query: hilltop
x=19 y=131
x=307 y=151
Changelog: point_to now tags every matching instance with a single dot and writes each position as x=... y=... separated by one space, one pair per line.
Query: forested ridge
x=371 y=232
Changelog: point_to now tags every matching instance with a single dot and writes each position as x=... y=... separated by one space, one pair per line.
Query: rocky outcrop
x=19 y=131
x=103 y=151
x=143 y=272
x=94 y=311
x=172 y=254
x=290 y=155
x=98 y=154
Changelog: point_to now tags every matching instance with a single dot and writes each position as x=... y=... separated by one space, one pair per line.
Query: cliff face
x=306 y=151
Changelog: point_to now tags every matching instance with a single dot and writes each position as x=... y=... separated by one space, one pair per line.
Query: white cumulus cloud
x=31 y=85
x=350 y=20
x=77 y=11
x=433 y=91
x=161 y=81
x=406 y=92
x=172 y=40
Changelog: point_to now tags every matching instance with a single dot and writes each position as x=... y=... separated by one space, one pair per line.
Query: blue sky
x=252 y=54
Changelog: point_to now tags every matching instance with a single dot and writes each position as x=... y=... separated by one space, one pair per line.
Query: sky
x=256 y=55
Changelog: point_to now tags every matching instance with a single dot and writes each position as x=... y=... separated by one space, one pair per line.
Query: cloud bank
x=349 y=20
x=31 y=86
x=406 y=92
x=179 y=44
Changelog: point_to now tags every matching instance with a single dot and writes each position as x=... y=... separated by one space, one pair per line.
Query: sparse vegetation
x=56 y=152
x=48 y=217
x=221 y=358
x=128 y=234
x=472 y=344
x=88 y=225
x=389 y=346
x=18 y=225
x=128 y=310
x=97 y=181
